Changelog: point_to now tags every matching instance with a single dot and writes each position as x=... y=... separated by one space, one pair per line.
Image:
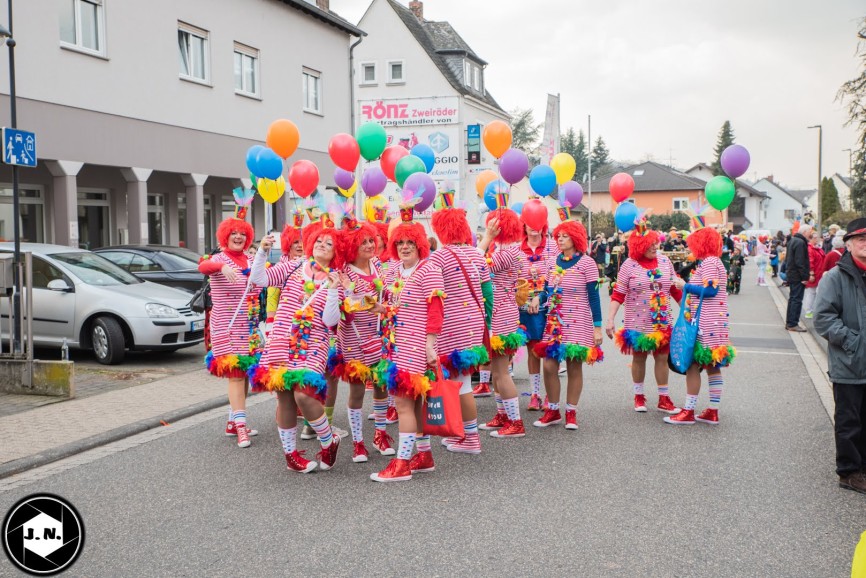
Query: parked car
x=94 y=304
x=173 y=266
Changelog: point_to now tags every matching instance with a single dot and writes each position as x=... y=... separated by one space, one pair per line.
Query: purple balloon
x=570 y=192
x=420 y=185
x=344 y=179
x=735 y=161
x=373 y=181
x=513 y=166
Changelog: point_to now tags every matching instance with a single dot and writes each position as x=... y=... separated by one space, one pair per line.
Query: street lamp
x=820 y=150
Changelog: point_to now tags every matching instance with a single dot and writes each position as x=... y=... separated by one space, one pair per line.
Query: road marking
x=757 y=324
x=739 y=351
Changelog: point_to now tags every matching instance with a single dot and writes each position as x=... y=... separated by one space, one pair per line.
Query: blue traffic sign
x=19 y=147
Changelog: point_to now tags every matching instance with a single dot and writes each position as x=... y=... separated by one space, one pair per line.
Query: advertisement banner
x=399 y=112
x=550 y=141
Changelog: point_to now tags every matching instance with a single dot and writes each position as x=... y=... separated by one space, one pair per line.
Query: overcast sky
x=659 y=78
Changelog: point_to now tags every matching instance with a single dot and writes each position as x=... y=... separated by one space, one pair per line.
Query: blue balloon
x=252 y=155
x=493 y=188
x=624 y=217
x=269 y=164
x=517 y=208
x=542 y=179
x=426 y=154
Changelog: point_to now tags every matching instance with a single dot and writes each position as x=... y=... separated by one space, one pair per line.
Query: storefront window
x=31 y=214
x=94 y=228
x=155 y=219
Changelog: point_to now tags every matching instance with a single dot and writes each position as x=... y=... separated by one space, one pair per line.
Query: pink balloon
x=422 y=186
x=735 y=161
x=373 y=181
x=513 y=166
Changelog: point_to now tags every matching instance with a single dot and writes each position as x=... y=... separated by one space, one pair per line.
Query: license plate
x=196 y=325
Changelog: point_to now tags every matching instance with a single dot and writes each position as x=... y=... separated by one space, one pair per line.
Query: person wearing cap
x=840 y=317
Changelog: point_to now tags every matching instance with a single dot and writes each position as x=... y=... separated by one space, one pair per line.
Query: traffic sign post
x=19 y=147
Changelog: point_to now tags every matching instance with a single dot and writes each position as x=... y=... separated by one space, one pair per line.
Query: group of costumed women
x=368 y=303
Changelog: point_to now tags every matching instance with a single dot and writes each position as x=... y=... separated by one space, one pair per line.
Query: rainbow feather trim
x=464 y=361
x=570 y=351
x=336 y=364
x=283 y=379
x=230 y=365
x=400 y=382
x=509 y=343
x=631 y=341
x=720 y=356
x=357 y=373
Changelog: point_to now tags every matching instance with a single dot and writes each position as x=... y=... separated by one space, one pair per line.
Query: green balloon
x=408 y=165
x=372 y=140
x=720 y=192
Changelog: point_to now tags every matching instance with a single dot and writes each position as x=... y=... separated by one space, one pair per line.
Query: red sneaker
x=570 y=419
x=395 y=471
x=296 y=462
x=534 y=403
x=328 y=455
x=391 y=416
x=666 y=405
x=550 y=417
x=471 y=444
x=514 y=429
x=499 y=420
x=710 y=416
x=231 y=429
x=545 y=406
x=640 y=403
x=360 y=453
x=482 y=390
x=243 y=436
x=422 y=463
x=684 y=417
x=382 y=442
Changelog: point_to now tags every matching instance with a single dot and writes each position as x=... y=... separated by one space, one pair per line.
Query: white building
x=843 y=186
x=782 y=208
x=424 y=84
x=754 y=201
x=144 y=111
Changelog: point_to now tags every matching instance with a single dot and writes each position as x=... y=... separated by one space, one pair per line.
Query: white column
x=136 y=203
x=194 y=184
x=65 y=195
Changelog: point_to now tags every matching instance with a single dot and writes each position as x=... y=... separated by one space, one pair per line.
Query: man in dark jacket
x=840 y=317
x=797 y=275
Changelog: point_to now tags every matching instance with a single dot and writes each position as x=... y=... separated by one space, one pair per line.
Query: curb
x=807 y=323
x=54 y=454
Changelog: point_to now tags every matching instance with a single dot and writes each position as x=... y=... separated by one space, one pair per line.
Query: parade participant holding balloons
x=644 y=286
x=414 y=295
x=296 y=353
x=713 y=349
x=463 y=340
x=573 y=331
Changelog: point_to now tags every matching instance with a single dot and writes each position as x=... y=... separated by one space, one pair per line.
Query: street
x=626 y=495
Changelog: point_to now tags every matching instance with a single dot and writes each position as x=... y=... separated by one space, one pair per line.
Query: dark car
x=172 y=266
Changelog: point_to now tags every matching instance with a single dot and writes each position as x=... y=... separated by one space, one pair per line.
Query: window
x=472 y=76
x=44 y=272
x=681 y=204
x=312 y=91
x=368 y=73
x=467 y=73
x=30 y=214
x=638 y=172
x=192 y=45
x=141 y=264
x=82 y=25
x=395 y=71
x=246 y=70
x=629 y=201
x=155 y=218
x=94 y=223
x=476 y=78
x=790 y=214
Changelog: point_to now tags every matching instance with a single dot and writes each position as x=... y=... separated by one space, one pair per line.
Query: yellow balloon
x=351 y=190
x=564 y=166
x=271 y=190
x=370 y=203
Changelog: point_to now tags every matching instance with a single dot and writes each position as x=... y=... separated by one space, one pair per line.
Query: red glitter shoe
x=570 y=419
x=710 y=416
x=422 y=463
x=395 y=471
x=296 y=462
x=360 y=453
x=550 y=417
x=534 y=403
x=514 y=429
x=482 y=390
x=498 y=421
x=685 y=417
x=382 y=441
x=666 y=405
x=640 y=403
x=328 y=455
x=391 y=416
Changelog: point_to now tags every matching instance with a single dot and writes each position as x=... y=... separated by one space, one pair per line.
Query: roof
x=844 y=179
x=439 y=39
x=801 y=195
x=327 y=17
x=655 y=177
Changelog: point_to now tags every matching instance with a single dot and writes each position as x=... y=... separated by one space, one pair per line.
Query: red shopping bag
x=443 y=415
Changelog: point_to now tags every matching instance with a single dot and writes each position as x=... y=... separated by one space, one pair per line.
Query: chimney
x=770 y=178
x=417 y=8
x=323 y=5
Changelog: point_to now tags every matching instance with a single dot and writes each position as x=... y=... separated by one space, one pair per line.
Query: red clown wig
x=231 y=225
x=382 y=233
x=311 y=235
x=575 y=231
x=638 y=243
x=288 y=237
x=308 y=236
x=354 y=237
x=409 y=232
x=510 y=228
x=451 y=226
x=705 y=243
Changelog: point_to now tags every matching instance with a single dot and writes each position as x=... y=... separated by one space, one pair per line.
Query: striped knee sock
x=404 y=447
x=240 y=417
x=323 y=430
x=716 y=384
x=484 y=376
x=638 y=388
x=663 y=389
x=329 y=411
x=470 y=427
x=500 y=408
x=691 y=402
x=288 y=438
x=422 y=442
x=535 y=381
x=355 y=422
x=380 y=410
x=231 y=415
x=390 y=401
x=512 y=408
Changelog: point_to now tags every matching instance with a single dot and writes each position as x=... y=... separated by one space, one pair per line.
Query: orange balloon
x=497 y=138
x=283 y=137
x=483 y=179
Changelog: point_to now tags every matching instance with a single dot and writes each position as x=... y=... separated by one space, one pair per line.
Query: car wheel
x=107 y=338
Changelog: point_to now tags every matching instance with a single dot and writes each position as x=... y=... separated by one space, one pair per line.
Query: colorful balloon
x=570 y=194
x=517 y=208
x=408 y=165
x=621 y=187
x=542 y=180
x=624 y=216
x=373 y=181
x=564 y=166
x=390 y=156
x=483 y=179
x=252 y=155
x=350 y=191
x=371 y=140
x=513 y=166
x=493 y=189
x=283 y=137
x=304 y=178
x=269 y=165
x=497 y=138
x=426 y=154
x=735 y=161
x=534 y=214
x=344 y=151
x=271 y=190
x=720 y=192
x=421 y=186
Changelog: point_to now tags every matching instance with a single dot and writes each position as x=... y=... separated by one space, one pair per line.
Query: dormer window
x=472 y=76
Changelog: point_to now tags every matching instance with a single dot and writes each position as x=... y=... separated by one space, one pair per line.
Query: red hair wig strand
x=353 y=239
x=451 y=226
x=575 y=231
x=229 y=226
x=705 y=243
x=409 y=232
x=337 y=260
x=288 y=238
x=639 y=244
x=510 y=228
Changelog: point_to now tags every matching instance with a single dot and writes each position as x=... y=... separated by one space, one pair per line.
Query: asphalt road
x=626 y=495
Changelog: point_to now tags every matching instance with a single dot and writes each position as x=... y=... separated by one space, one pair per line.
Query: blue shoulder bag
x=683 y=338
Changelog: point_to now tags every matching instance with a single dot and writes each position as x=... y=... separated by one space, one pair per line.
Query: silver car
x=94 y=304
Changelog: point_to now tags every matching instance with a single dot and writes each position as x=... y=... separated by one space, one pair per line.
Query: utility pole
x=818 y=201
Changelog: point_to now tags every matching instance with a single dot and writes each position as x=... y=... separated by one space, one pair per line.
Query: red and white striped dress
x=506 y=264
x=634 y=283
x=234 y=340
x=538 y=261
x=358 y=332
x=577 y=326
x=713 y=323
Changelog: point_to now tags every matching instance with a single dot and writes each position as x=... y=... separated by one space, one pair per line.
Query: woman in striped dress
x=414 y=295
x=462 y=343
x=573 y=331
x=295 y=356
x=644 y=285
x=233 y=347
x=713 y=349
x=506 y=336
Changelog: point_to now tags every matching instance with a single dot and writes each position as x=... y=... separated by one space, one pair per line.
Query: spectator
x=599 y=252
x=835 y=253
x=840 y=317
x=816 y=264
x=832 y=230
x=797 y=275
